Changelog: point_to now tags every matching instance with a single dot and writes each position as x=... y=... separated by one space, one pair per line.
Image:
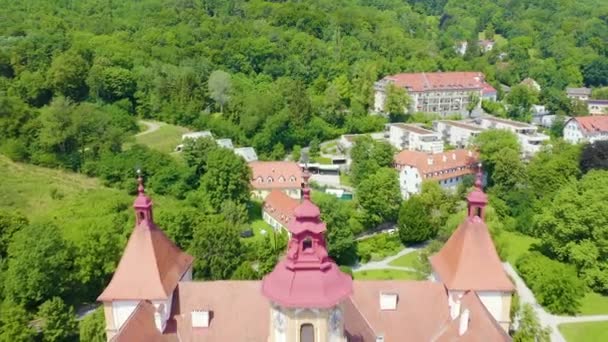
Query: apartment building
x=459 y=134
x=529 y=139
x=413 y=137
x=447 y=168
x=597 y=107
x=582 y=94
x=442 y=93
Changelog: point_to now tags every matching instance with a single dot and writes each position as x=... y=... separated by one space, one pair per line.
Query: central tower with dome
x=307 y=289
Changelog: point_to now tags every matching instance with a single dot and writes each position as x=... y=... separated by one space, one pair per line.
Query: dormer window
x=281 y=179
x=292 y=179
x=307 y=244
x=260 y=180
x=269 y=180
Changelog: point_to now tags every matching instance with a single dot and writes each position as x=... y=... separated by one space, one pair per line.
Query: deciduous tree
x=58 y=321
x=380 y=197
x=220 y=85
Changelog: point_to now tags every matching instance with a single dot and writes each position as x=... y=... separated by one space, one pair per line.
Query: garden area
x=378 y=247
x=585 y=332
x=385 y=274
x=164 y=139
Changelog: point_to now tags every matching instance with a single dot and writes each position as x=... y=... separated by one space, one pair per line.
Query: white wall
x=572 y=133
x=122 y=310
x=492 y=300
x=410 y=181
x=379 y=98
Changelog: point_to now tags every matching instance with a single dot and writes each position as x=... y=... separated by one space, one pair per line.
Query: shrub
x=555 y=285
x=378 y=247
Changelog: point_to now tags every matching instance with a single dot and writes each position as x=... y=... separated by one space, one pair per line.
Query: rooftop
x=419 y=82
x=592 y=124
x=578 y=91
x=431 y=163
x=280 y=206
x=275 y=174
x=462 y=124
x=413 y=128
x=507 y=122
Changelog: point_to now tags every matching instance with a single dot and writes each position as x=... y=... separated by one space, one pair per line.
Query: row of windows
x=437 y=173
x=270 y=179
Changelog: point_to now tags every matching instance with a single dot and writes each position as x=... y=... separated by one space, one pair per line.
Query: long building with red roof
x=442 y=93
x=285 y=176
x=306 y=298
x=278 y=209
x=447 y=168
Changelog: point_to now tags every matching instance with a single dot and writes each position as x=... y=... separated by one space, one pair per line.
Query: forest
x=76 y=76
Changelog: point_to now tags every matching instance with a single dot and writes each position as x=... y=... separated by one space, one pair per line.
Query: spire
x=307 y=277
x=477 y=199
x=142 y=203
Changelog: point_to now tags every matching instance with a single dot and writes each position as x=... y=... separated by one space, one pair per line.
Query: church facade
x=307 y=298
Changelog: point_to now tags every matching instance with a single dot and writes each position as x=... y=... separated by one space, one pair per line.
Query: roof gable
x=468 y=260
x=150 y=267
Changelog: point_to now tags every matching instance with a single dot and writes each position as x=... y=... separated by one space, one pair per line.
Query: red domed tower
x=306 y=288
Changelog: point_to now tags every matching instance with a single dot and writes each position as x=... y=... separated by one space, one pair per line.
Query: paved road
x=547 y=319
x=151 y=127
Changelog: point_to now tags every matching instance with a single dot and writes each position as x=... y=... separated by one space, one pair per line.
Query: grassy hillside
x=162 y=137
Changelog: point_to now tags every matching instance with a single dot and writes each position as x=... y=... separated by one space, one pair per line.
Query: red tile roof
x=239 y=312
x=450 y=167
x=592 y=124
x=468 y=260
x=150 y=267
x=488 y=89
x=280 y=206
x=140 y=326
x=275 y=175
x=482 y=326
x=419 y=82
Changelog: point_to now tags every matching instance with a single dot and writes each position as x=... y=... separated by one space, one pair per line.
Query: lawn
x=408 y=260
x=165 y=139
x=345 y=179
x=378 y=247
x=594 y=304
x=585 y=332
x=385 y=274
x=321 y=160
x=517 y=244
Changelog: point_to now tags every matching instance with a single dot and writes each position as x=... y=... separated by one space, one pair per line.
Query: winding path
x=384 y=263
x=546 y=319
x=151 y=127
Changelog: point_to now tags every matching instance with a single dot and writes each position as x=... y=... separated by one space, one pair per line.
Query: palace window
x=307 y=333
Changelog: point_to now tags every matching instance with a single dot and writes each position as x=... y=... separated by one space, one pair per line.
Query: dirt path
x=151 y=127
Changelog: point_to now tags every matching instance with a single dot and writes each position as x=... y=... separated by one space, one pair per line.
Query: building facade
x=442 y=93
x=459 y=134
x=597 y=107
x=584 y=129
x=413 y=137
x=278 y=209
x=448 y=169
x=529 y=139
x=306 y=298
x=581 y=94
x=270 y=175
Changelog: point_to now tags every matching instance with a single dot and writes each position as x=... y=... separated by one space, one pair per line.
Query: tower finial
x=140 y=183
x=305 y=185
x=479 y=177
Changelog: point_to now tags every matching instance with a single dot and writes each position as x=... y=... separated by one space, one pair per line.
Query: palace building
x=307 y=298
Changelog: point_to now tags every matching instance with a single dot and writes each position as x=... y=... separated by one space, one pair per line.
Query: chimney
x=200 y=319
x=380 y=338
x=464 y=322
x=454 y=308
x=444 y=158
x=430 y=160
x=453 y=156
x=470 y=153
x=388 y=301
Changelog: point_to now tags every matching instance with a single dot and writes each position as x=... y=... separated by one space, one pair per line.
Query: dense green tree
x=573 y=227
x=93 y=327
x=227 y=179
x=529 y=327
x=552 y=168
x=520 y=100
x=217 y=249
x=40 y=265
x=245 y=271
x=492 y=144
x=414 y=221
x=379 y=197
x=58 y=321
x=555 y=285
x=368 y=156
x=67 y=75
x=342 y=224
x=15 y=324
x=179 y=224
x=10 y=223
x=397 y=101
x=596 y=72
x=219 y=88
x=594 y=156
x=196 y=152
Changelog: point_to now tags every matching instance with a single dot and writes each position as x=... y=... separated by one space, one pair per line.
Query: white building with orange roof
x=306 y=298
x=442 y=93
x=270 y=175
x=469 y=261
x=414 y=137
x=447 y=168
x=278 y=209
x=583 y=129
